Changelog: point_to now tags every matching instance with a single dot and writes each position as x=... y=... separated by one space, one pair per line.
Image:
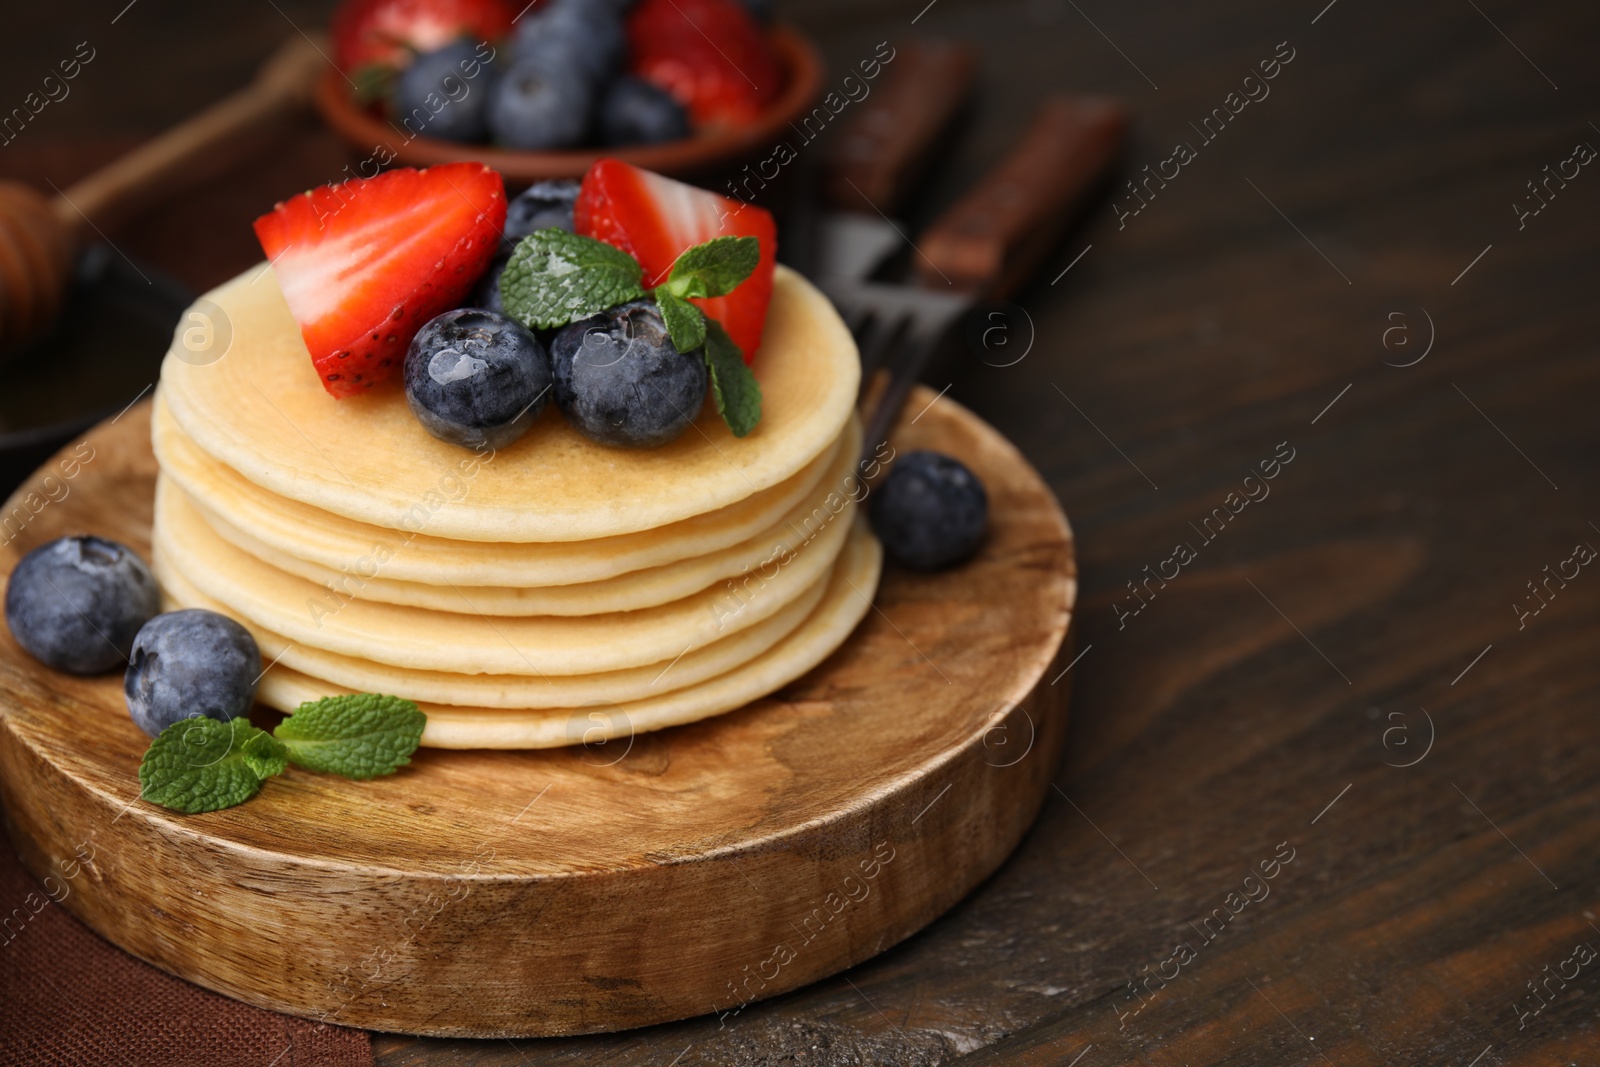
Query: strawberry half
x=654 y=219
x=387 y=33
x=366 y=263
x=710 y=55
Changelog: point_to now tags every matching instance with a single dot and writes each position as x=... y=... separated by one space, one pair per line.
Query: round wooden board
x=495 y=894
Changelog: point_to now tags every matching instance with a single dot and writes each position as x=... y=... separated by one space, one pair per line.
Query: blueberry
x=486 y=294
x=633 y=111
x=587 y=37
x=930 y=512
x=188 y=663
x=435 y=97
x=540 y=206
x=76 y=603
x=621 y=382
x=476 y=378
x=540 y=103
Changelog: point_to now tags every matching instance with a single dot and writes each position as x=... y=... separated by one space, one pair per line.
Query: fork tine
x=903 y=374
x=927 y=317
x=873 y=322
x=883 y=328
x=901 y=322
x=856 y=317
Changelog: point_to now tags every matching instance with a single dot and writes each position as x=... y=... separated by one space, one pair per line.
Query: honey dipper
x=40 y=235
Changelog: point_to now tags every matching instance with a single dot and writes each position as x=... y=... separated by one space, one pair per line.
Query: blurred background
x=1371 y=265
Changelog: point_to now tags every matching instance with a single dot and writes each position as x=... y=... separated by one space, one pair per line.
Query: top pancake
x=261 y=410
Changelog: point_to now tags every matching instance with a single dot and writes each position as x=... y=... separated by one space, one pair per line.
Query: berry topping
x=709 y=54
x=76 y=603
x=620 y=380
x=635 y=112
x=539 y=207
x=373 y=38
x=486 y=294
x=476 y=378
x=437 y=98
x=581 y=36
x=556 y=278
x=930 y=512
x=655 y=219
x=188 y=663
x=363 y=264
x=541 y=104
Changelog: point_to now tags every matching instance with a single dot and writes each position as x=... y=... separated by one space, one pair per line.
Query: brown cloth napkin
x=68 y=997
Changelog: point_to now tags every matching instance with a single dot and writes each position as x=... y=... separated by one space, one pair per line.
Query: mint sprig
x=554 y=278
x=686 y=324
x=715 y=268
x=359 y=736
x=203 y=764
x=199 y=765
x=265 y=755
x=735 y=389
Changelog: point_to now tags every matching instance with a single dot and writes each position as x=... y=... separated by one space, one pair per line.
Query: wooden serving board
x=575 y=890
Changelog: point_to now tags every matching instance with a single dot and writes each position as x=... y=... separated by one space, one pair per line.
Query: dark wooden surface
x=1360 y=617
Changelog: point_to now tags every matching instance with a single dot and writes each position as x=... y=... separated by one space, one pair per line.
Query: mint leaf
x=199 y=764
x=714 y=268
x=686 y=324
x=737 y=394
x=265 y=755
x=361 y=735
x=202 y=764
x=373 y=82
x=555 y=277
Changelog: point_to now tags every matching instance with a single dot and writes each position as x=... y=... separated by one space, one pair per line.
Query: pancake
x=331 y=541
x=469 y=642
x=511 y=691
x=626 y=592
x=261 y=410
x=847 y=599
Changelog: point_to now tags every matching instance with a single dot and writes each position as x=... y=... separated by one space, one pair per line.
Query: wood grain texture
x=575 y=890
x=1196 y=337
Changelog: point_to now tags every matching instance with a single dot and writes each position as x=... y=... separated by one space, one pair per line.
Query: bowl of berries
x=540 y=91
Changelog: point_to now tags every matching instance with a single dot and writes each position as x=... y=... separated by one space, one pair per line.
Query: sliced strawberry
x=654 y=219
x=366 y=263
x=710 y=55
x=387 y=33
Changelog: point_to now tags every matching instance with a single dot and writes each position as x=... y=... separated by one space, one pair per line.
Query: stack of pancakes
x=554 y=592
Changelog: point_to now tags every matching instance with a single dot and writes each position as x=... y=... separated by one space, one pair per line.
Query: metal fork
x=981 y=248
x=904 y=319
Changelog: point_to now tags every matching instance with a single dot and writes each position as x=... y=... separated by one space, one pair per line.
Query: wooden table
x=1349 y=669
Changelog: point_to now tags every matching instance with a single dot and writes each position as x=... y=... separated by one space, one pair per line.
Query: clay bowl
x=704 y=152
